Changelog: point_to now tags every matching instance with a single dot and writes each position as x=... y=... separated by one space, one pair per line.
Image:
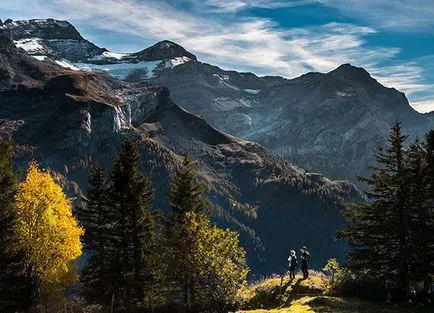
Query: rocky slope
x=332 y=123
x=68 y=119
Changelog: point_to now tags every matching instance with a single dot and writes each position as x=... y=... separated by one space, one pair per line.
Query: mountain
x=163 y=50
x=51 y=38
x=61 y=42
x=68 y=119
x=331 y=123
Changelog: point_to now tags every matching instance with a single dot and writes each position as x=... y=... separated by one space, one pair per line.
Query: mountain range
x=330 y=123
x=67 y=103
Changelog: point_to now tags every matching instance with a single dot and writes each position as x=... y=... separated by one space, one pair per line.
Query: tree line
x=391 y=235
x=137 y=258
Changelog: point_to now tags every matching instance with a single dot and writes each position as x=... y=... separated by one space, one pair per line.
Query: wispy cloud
x=396 y=15
x=238 y=5
x=423 y=106
x=246 y=43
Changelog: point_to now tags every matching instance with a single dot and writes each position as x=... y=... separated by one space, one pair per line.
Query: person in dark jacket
x=305 y=258
x=292 y=259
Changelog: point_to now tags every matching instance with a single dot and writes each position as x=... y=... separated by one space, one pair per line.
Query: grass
x=279 y=291
x=282 y=295
x=323 y=304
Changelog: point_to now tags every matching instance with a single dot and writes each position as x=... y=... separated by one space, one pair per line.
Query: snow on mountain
x=114 y=55
x=30 y=45
x=132 y=71
x=59 y=41
x=66 y=64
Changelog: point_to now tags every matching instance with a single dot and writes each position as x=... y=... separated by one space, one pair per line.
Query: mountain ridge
x=331 y=123
x=67 y=120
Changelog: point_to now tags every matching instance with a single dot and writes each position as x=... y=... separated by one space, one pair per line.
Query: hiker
x=292 y=259
x=305 y=258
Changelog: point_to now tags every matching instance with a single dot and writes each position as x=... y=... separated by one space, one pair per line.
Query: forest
x=112 y=251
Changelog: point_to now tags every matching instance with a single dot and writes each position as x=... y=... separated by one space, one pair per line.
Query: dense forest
x=134 y=258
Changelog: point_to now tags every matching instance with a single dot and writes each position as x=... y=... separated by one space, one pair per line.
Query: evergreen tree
x=424 y=221
x=379 y=231
x=185 y=196
x=137 y=243
x=17 y=291
x=418 y=208
x=97 y=218
x=186 y=193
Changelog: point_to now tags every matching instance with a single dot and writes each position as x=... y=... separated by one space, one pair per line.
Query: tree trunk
x=151 y=298
x=113 y=303
x=188 y=296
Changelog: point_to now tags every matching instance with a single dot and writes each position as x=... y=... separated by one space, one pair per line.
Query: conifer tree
x=97 y=218
x=137 y=244
x=185 y=196
x=379 y=231
x=424 y=221
x=17 y=291
x=186 y=193
x=418 y=208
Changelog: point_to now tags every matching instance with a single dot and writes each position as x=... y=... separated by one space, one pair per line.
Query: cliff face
x=68 y=119
x=332 y=123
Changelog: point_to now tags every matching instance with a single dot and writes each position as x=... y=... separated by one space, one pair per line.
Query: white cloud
x=238 y=5
x=248 y=44
x=397 y=15
x=423 y=106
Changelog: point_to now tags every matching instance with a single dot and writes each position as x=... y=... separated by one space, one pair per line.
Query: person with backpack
x=305 y=259
x=292 y=259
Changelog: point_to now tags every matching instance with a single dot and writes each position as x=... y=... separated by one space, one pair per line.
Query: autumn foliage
x=46 y=230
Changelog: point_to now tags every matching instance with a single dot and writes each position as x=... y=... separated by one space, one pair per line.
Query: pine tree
x=185 y=196
x=424 y=223
x=96 y=216
x=17 y=291
x=137 y=242
x=379 y=231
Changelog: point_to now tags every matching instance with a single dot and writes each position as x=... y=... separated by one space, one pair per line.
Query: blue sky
x=392 y=39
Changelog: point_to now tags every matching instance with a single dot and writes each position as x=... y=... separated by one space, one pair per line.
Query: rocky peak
x=351 y=72
x=163 y=50
x=41 y=28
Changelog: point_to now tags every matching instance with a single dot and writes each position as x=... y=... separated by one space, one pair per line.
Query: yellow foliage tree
x=46 y=229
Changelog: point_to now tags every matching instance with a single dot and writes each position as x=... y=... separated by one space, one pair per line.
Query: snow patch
x=30 y=45
x=65 y=64
x=252 y=91
x=114 y=55
x=178 y=61
x=222 y=77
x=39 y=57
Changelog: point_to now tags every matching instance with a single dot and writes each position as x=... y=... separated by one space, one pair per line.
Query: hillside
x=68 y=119
x=281 y=295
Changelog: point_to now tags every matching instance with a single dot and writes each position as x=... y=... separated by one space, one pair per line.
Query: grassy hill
x=282 y=295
